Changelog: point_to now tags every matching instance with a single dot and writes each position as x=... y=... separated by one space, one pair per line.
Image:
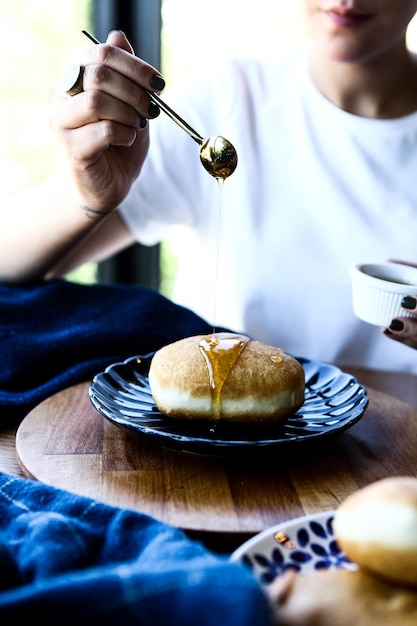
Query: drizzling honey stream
x=220 y=350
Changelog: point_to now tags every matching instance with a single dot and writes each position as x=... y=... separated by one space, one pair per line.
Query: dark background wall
x=141 y=21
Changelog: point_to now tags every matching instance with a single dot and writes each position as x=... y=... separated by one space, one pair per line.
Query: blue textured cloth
x=55 y=334
x=64 y=558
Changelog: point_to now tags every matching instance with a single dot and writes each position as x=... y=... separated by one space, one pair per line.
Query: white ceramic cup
x=378 y=289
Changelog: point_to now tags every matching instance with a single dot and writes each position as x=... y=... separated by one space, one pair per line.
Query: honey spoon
x=217 y=154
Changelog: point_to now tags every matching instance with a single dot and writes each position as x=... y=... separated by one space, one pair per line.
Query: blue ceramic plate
x=303 y=544
x=334 y=401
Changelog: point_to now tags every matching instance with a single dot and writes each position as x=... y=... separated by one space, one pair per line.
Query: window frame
x=141 y=21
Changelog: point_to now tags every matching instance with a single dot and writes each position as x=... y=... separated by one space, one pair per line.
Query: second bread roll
x=376 y=527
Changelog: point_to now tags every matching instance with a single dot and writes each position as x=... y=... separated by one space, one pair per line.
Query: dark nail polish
x=153 y=110
x=157 y=82
x=396 y=325
x=143 y=122
x=408 y=302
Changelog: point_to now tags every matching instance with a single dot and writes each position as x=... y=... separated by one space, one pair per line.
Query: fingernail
x=143 y=122
x=408 y=302
x=157 y=82
x=153 y=110
x=396 y=325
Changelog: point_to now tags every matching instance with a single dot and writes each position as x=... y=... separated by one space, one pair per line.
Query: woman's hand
x=404 y=329
x=104 y=128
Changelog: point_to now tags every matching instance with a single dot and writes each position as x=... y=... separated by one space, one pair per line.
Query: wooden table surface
x=65 y=442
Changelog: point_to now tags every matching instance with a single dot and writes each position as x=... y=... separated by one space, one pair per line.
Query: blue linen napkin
x=55 y=334
x=73 y=559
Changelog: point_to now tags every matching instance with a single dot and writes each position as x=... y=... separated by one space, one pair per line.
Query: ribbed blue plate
x=334 y=401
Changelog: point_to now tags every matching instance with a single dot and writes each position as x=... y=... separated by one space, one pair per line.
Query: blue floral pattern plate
x=334 y=401
x=303 y=544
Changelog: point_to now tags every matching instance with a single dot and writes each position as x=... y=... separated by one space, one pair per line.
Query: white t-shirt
x=316 y=189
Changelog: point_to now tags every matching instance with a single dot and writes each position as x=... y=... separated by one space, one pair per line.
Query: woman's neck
x=383 y=88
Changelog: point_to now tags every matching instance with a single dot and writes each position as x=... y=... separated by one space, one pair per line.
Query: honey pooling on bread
x=221 y=352
x=226 y=376
x=376 y=527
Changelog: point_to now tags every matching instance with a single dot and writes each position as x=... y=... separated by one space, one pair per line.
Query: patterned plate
x=303 y=544
x=334 y=401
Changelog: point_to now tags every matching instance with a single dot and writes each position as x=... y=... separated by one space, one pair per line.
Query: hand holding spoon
x=217 y=154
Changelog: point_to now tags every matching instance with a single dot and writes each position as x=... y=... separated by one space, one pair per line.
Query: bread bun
x=226 y=376
x=340 y=596
x=376 y=527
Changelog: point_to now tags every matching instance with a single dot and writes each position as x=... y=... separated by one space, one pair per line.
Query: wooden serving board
x=66 y=443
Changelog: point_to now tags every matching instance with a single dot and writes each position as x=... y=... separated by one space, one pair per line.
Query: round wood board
x=66 y=443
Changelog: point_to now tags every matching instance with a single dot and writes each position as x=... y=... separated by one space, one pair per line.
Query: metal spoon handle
x=175 y=117
x=162 y=105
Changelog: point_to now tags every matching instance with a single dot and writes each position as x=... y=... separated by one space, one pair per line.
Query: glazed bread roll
x=226 y=376
x=376 y=527
x=339 y=597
